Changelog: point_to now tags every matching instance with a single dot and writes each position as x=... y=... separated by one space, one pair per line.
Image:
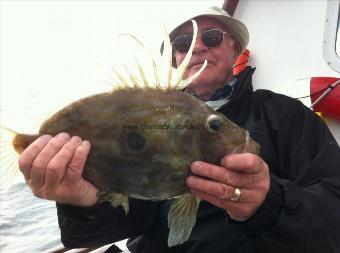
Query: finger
x=244 y=180
x=75 y=168
x=56 y=168
x=210 y=198
x=37 y=177
x=237 y=210
x=217 y=189
x=222 y=203
x=30 y=153
x=224 y=175
x=211 y=171
x=246 y=162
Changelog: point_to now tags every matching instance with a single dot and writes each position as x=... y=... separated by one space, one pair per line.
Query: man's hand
x=53 y=168
x=217 y=184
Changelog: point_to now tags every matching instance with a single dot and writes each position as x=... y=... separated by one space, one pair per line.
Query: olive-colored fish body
x=144 y=140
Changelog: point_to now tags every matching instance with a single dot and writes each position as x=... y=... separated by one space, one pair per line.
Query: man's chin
x=199 y=86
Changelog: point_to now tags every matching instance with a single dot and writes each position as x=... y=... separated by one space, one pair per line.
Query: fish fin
x=155 y=73
x=170 y=84
x=9 y=168
x=184 y=64
x=132 y=77
x=116 y=199
x=184 y=83
x=111 y=82
x=124 y=83
x=168 y=53
x=154 y=65
x=142 y=74
x=180 y=84
x=182 y=218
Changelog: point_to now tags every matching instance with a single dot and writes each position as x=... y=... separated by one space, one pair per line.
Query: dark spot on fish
x=135 y=142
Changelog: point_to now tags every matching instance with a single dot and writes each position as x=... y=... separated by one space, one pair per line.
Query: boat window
x=331 y=43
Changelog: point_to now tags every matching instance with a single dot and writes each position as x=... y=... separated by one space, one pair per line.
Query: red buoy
x=325 y=96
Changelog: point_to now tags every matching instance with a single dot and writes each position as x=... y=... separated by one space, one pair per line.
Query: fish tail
x=11 y=145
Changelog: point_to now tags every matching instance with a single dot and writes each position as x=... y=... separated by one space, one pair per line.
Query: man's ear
x=237 y=49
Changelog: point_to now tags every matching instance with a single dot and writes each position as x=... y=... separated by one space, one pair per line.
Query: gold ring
x=237 y=195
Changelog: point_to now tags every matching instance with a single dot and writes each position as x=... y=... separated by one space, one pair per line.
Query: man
x=285 y=199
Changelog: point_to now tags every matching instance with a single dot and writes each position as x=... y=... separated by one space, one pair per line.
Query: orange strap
x=241 y=62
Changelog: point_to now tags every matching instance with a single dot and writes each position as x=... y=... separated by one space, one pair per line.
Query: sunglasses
x=210 y=38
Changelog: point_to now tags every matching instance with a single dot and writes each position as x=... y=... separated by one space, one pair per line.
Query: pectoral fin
x=182 y=218
x=115 y=199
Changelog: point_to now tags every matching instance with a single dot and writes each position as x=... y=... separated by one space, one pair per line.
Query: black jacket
x=300 y=214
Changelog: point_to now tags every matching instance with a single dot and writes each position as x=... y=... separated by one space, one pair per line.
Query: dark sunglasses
x=210 y=38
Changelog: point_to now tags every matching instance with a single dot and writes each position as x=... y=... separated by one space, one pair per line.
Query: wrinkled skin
x=220 y=59
x=53 y=168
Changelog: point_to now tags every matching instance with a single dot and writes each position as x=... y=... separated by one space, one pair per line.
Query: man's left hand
x=217 y=184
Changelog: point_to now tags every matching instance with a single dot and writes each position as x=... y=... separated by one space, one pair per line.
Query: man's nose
x=199 y=46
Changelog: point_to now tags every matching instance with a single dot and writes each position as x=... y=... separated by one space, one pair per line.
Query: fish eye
x=214 y=123
x=135 y=142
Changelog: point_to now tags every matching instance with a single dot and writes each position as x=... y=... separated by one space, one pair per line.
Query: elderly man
x=285 y=199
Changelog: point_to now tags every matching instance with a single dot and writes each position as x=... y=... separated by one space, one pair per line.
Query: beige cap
x=235 y=27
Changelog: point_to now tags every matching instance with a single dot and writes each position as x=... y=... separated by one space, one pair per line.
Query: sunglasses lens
x=182 y=43
x=212 y=38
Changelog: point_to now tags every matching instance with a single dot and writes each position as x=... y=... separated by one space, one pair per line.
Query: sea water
x=27 y=223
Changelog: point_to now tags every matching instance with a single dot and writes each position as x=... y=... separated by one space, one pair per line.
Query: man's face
x=220 y=59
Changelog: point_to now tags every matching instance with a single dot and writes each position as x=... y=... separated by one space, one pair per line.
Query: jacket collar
x=239 y=86
x=244 y=83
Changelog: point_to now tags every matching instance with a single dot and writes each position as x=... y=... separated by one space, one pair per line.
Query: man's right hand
x=53 y=168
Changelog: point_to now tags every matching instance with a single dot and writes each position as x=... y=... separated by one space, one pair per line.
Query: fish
x=143 y=140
